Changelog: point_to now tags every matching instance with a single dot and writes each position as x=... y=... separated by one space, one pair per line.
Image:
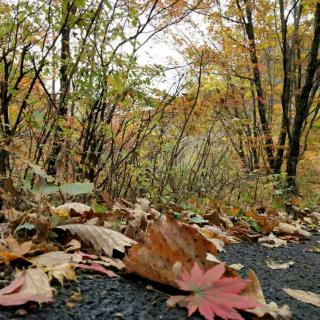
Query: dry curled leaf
x=52 y=259
x=73 y=245
x=67 y=208
x=167 y=242
x=61 y=272
x=291 y=229
x=11 y=249
x=236 y=266
x=212 y=294
x=278 y=265
x=102 y=239
x=265 y=311
x=94 y=266
x=304 y=296
x=271 y=241
x=29 y=285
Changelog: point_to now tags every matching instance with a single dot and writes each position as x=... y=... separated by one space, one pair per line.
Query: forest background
x=89 y=105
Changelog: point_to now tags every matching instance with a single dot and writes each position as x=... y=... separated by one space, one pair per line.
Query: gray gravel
x=128 y=298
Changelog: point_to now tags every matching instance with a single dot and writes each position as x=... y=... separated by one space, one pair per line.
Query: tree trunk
x=262 y=107
x=64 y=88
x=303 y=106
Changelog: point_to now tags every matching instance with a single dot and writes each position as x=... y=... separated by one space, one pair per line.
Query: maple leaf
x=212 y=294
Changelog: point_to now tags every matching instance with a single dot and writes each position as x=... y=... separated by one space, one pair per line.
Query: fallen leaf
x=211 y=257
x=76 y=296
x=102 y=239
x=52 y=259
x=218 y=243
x=142 y=204
x=291 y=229
x=107 y=198
x=29 y=285
x=315 y=249
x=271 y=241
x=265 y=222
x=85 y=256
x=315 y=216
x=61 y=272
x=166 y=243
x=213 y=295
x=213 y=231
x=73 y=245
x=11 y=249
x=112 y=262
x=264 y=310
x=276 y=265
x=68 y=207
x=236 y=266
x=304 y=296
x=97 y=267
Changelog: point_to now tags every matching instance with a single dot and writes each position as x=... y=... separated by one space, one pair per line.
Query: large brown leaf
x=166 y=249
x=102 y=239
x=29 y=285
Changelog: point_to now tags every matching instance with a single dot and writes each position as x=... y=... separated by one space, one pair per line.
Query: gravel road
x=128 y=298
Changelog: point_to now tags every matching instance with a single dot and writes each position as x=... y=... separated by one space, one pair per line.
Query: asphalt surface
x=128 y=298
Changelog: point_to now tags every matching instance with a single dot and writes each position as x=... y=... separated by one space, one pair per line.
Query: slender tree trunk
x=303 y=106
x=64 y=87
x=262 y=107
x=287 y=56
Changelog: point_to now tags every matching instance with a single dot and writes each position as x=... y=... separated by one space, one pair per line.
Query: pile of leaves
x=176 y=246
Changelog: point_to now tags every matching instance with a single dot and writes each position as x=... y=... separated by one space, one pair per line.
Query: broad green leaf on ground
x=265 y=311
x=11 y=249
x=212 y=294
x=29 y=285
x=102 y=239
x=304 y=296
x=77 y=188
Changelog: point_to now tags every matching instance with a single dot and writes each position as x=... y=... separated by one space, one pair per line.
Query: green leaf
x=99 y=209
x=117 y=82
x=77 y=188
x=79 y=3
x=255 y=226
x=39 y=171
x=47 y=189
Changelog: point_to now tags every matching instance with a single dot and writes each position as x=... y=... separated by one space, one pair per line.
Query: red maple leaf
x=212 y=294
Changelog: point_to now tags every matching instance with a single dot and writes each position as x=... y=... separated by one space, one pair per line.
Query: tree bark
x=64 y=87
x=303 y=106
x=261 y=102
